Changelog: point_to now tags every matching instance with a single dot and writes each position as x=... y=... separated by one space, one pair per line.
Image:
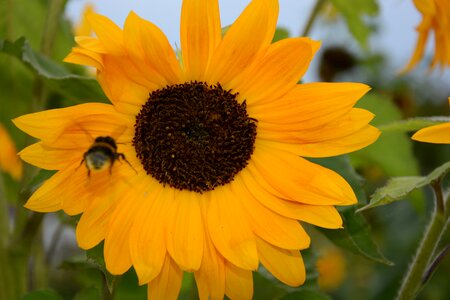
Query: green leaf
x=412 y=124
x=95 y=255
x=398 y=188
x=280 y=34
x=355 y=236
x=354 y=13
x=393 y=151
x=89 y=293
x=266 y=286
x=70 y=85
x=307 y=294
x=42 y=295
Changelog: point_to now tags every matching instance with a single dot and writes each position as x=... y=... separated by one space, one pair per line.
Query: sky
x=396 y=35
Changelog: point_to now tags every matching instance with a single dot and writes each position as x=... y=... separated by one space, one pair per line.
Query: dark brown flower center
x=193 y=136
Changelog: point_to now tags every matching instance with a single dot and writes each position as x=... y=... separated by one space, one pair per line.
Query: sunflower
x=216 y=182
x=437 y=134
x=9 y=161
x=436 y=18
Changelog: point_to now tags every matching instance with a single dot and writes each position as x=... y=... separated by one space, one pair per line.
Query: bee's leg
x=122 y=156
x=81 y=162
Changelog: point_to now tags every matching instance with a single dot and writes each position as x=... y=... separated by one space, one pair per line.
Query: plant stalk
x=312 y=17
x=412 y=282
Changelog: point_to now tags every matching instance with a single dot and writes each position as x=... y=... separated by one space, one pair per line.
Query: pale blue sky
x=397 y=19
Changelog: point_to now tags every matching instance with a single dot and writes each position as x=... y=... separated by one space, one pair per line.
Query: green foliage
x=70 y=85
x=355 y=236
x=399 y=187
x=307 y=294
x=42 y=295
x=95 y=256
x=280 y=34
x=412 y=124
x=354 y=13
x=393 y=151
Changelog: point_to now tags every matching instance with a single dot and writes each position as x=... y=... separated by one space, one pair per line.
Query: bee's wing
x=82 y=132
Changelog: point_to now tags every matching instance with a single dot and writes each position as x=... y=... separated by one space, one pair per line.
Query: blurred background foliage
x=365 y=260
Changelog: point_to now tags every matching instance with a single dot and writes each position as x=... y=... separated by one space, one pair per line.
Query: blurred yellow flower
x=9 y=160
x=436 y=19
x=83 y=28
x=332 y=268
x=436 y=134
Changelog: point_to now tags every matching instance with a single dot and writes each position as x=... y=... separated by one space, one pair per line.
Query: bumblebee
x=102 y=154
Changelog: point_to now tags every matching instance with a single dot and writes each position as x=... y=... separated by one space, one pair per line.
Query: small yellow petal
x=229 y=230
x=283 y=232
x=298 y=179
x=254 y=28
x=238 y=282
x=83 y=27
x=210 y=277
x=198 y=41
x=168 y=283
x=286 y=265
x=275 y=72
x=184 y=236
x=437 y=134
x=107 y=32
x=147 y=236
x=49 y=158
x=320 y=215
x=147 y=44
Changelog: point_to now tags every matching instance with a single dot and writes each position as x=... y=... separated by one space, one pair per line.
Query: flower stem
x=412 y=282
x=312 y=17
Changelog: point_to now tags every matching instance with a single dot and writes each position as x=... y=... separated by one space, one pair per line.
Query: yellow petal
x=346 y=125
x=147 y=44
x=275 y=72
x=286 y=265
x=319 y=215
x=92 y=44
x=9 y=160
x=48 y=125
x=184 y=231
x=107 y=32
x=147 y=240
x=49 y=158
x=238 y=282
x=126 y=94
x=80 y=188
x=230 y=230
x=48 y=198
x=210 y=277
x=117 y=243
x=283 y=232
x=437 y=134
x=168 y=283
x=200 y=34
x=298 y=179
x=358 y=140
x=92 y=227
x=85 y=57
x=83 y=27
x=310 y=105
x=251 y=33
